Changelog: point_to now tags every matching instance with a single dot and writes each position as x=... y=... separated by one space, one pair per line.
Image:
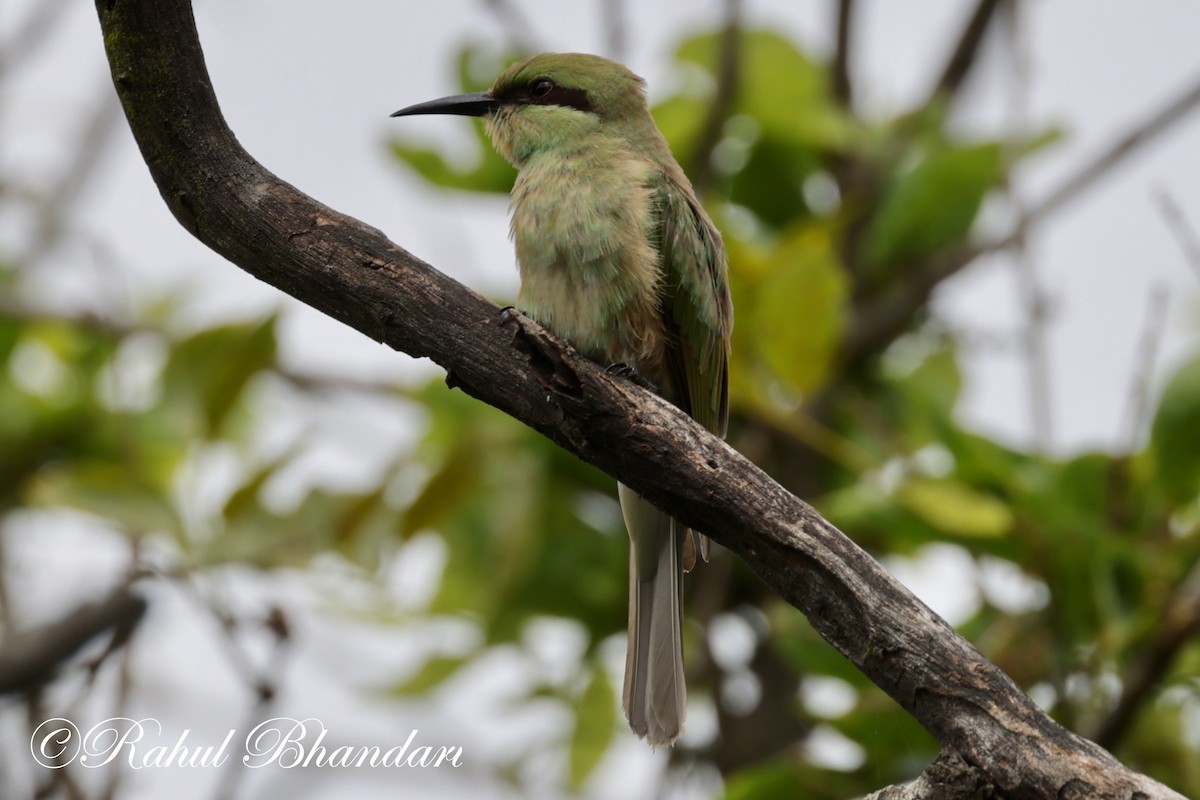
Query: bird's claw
x=630 y=372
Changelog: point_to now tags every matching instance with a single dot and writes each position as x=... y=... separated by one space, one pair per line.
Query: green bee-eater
x=618 y=257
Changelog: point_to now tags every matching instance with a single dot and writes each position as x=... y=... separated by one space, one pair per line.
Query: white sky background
x=307 y=86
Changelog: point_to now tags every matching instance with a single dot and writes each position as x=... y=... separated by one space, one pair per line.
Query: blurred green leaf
x=490 y=172
x=595 y=726
x=955 y=508
x=1175 y=434
x=1159 y=744
x=932 y=205
x=355 y=524
x=214 y=366
x=431 y=675
x=771 y=184
x=767 y=782
x=681 y=119
x=245 y=501
x=779 y=86
x=927 y=395
x=110 y=491
x=797 y=313
x=446 y=491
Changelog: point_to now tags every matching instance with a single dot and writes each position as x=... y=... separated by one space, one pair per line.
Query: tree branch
x=1156 y=124
x=878 y=319
x=31 y=34
x=966 y=52
x=352 y=272
x=1189 y=242
x=33 y=658
x=843 y=86
x=728 y=73
x=1181 y=623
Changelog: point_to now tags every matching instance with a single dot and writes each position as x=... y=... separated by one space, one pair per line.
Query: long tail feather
x=654 y=697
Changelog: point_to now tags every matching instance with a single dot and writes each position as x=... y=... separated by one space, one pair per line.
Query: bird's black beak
x=463 y=105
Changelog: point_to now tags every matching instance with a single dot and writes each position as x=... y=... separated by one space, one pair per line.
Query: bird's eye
x=540 y=88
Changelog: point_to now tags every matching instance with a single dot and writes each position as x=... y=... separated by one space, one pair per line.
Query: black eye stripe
x=562 y=96
x=537 y=93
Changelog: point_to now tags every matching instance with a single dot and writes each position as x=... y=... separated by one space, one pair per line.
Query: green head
x=556 y=102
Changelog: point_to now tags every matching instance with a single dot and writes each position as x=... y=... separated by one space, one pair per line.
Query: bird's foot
x=629 y=372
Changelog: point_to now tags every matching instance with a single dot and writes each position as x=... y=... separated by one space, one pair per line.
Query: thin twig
x=93 y=142
x=728 y=62
x=1139 y=135
x=612 y=15
x=965 y=54
x=941 y=94
x=516 y=25
x=1184 y=234
x=843 y=85
x=33 y=658
x=1033 y=298
x=30 y=34
x=124 y=691
x=263 y=680
x=879 y=319
x=1144 y=359
x=266 y=692
x=1181 y=623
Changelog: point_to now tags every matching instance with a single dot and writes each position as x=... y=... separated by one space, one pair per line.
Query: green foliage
x=514 y=511
x=78 y=431
x=798 y=112
x=213 y=367
x=933 y=204
x=595 y=726
x=431 y=675
x=790 y=298
x=1175 y=436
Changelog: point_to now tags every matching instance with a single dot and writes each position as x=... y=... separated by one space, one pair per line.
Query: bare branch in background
x=880 y=319
x=516 y=25
x=965 y=54
x=261 y=679
x=1034 y=301
x=616 y=35
x=1181 y=623
x=1138 y=136
x=266 y=690
x=124 y=689
x=1184 y=233
x=843 y=84
x=700 y=163
x=1144 y=360
x=31 y=34
x=33 y=658
x=94 y=138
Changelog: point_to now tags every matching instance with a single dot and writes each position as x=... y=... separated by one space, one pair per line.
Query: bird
x=618 y=257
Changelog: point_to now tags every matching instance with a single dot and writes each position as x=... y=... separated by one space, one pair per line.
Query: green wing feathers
x=696 y=306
